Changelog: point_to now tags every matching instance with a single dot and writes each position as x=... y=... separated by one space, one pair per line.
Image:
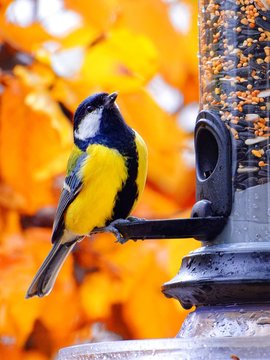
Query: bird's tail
x=45 y=278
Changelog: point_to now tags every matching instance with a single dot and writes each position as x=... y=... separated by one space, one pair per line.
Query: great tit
x=106 y=174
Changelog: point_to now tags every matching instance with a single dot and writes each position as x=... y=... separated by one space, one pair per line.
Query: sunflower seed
x=256 y=140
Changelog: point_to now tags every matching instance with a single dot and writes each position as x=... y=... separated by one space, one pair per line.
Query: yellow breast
x=103 y=173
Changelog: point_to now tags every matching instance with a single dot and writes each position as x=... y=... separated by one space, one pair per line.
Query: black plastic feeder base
x=222 y=278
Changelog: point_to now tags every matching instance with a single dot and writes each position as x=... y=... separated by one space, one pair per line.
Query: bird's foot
x=113 y=227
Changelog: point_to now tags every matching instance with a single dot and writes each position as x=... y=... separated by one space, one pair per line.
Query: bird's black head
x=92 y=114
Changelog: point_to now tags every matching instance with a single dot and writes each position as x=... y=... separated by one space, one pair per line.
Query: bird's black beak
x=110 y=99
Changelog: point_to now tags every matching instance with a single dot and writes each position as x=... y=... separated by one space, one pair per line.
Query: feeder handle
x=200 y=228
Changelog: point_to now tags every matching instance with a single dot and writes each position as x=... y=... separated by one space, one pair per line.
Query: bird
x=106 y=174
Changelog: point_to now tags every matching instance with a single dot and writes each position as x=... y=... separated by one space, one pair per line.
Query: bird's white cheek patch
x=89 y=125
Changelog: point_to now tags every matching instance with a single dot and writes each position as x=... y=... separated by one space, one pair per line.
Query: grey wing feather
x=72 y=187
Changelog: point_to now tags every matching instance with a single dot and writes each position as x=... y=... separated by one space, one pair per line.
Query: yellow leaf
x=151 y=18
x=124 y=61
x=83 y=36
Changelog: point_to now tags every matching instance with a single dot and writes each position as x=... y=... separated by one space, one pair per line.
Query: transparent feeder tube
x=234 y=76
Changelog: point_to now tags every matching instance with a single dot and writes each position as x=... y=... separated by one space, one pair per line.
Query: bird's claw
x=112 y=227
x=120 y=238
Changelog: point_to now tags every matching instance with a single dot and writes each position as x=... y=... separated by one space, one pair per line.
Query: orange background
x=127 y=46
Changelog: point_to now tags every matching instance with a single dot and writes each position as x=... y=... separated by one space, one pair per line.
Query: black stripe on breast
x=129 y=192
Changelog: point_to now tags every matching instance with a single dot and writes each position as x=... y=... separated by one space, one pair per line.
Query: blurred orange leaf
x=37 y=139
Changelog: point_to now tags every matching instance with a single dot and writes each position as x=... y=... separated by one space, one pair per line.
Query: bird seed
x=235 y=80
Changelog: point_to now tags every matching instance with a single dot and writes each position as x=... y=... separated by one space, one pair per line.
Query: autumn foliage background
x=53 y=54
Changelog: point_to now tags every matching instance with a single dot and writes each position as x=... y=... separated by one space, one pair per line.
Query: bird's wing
x=71 y=188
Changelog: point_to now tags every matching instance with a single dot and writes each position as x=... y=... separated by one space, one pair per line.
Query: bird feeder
x=231 y=272
x=228 y=278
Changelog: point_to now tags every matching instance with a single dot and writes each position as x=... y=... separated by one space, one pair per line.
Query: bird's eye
x=89 y=108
